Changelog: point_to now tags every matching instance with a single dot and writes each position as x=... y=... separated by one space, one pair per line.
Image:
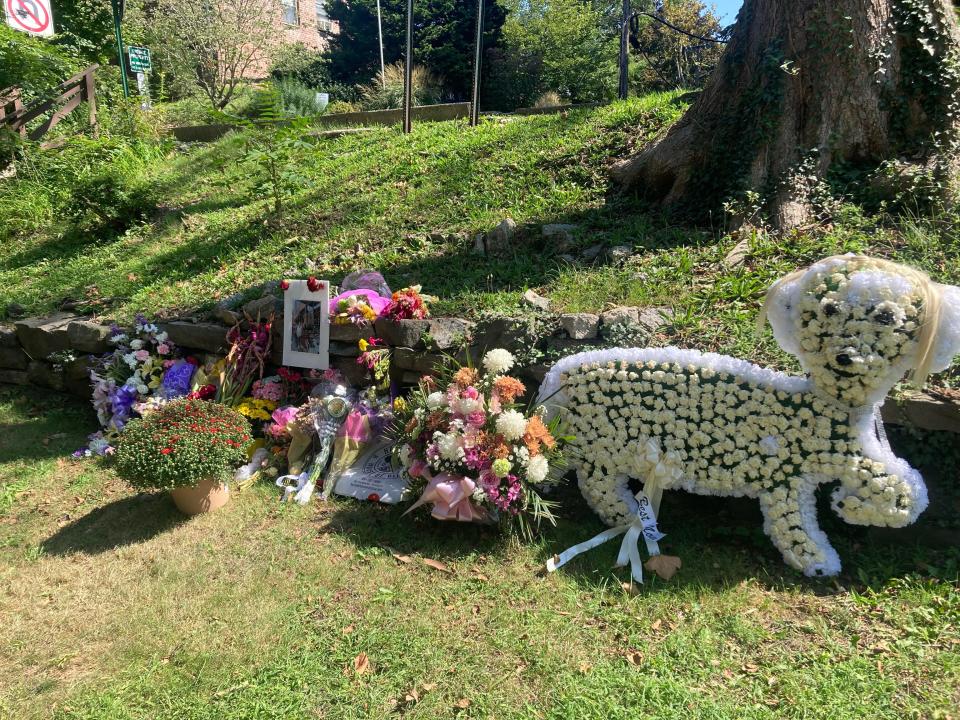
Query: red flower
x=166 y=451
x=284 y=285
x=313 y=285
x=373 y=497
x=193 y=361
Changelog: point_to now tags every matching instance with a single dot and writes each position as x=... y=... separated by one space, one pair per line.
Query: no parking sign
x=30 y=16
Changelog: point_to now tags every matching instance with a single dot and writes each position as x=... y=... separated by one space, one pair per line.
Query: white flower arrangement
x=716 y=425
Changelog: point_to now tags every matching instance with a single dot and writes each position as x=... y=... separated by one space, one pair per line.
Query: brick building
x=300 y=21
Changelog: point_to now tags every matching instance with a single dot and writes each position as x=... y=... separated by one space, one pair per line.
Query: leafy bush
x=558 y=45
x=336 y=108
x=33 y=64
x=298 y=62
x=296 y=99
x=90 y=184
x=387 y=93
x=181 y=444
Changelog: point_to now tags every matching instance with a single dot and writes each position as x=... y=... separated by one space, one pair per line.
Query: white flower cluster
x=715 y=425
x=498 y=361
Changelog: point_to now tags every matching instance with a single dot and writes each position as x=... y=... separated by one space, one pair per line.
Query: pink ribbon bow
x=450 y=496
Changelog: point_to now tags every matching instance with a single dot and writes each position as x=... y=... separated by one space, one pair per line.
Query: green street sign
x=139 y=58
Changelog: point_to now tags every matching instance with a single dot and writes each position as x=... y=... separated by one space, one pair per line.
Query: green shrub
x=33 y=64
x=339 y=107
x=296 y=99
x=181 y=444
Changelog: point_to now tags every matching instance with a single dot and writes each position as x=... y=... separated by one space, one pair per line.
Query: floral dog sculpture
x=716 y=425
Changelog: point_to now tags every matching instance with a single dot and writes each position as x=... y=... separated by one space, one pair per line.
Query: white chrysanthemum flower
x=448 y=445
x=511 y=424
x=498 y=361
x=465 y=406
x=537 y=469
x=436 y=400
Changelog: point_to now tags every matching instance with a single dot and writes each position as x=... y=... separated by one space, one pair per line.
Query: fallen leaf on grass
x=655 y=625
x=665 y=566
x=348 y=629
x=437 y=565
x=462 y=703
x=585 y=668
x=634 y=657
x=405 y=559
x=429 y=687
x=750 y=668
x=361 y=664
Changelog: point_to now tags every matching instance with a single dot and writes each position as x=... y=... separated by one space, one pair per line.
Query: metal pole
x=383 y=67
x=117 y=17
x=408 y=74
x=475 y=105
x=624 y=52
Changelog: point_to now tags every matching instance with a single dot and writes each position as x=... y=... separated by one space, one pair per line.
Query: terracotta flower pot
x=206 y=496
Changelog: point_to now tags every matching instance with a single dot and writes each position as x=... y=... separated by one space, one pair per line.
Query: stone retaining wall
x=55 y=351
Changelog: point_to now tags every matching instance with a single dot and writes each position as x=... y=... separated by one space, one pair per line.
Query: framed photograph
x=306 y=326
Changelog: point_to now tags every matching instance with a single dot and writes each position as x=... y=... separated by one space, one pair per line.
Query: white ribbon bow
x=644 y=526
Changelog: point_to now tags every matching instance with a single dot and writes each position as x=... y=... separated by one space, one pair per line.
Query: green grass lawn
x=170 y=231
x=113 y=606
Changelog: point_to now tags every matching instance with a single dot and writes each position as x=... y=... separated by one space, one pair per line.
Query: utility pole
x=477 y=60
x=625 y=52
x=117 y=6
x=383 y=67
x=408 y=74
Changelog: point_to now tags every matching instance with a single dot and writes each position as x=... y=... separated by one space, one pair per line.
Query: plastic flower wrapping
x=714 y=425
x=473 y=454
x=357 y=307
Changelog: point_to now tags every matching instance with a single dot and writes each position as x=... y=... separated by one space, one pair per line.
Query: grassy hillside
x=167 y=230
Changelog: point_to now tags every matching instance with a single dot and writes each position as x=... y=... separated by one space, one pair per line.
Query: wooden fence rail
x=67 y=97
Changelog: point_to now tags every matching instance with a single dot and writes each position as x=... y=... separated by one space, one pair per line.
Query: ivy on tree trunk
x=805 y=86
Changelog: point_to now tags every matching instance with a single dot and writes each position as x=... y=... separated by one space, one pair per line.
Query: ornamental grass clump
x=181 y=444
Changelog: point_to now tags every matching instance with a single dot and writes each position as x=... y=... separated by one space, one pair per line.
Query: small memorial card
x=373 y=477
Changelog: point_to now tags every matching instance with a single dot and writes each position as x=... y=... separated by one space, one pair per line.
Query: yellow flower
x=363 y=345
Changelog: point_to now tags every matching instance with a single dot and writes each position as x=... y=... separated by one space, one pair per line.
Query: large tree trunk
x=804 y=85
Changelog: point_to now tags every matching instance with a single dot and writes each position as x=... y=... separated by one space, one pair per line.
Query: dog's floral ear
x=782 y=312
x=947 y=344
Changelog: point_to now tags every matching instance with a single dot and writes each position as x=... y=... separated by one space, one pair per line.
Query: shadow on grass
x=123 y=522
x=47 y=424
x=721 y=543
x=369 y=525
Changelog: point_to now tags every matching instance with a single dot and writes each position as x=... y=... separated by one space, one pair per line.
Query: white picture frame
x=306 y=326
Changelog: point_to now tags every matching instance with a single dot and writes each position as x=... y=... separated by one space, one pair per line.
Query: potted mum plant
x=189 y=447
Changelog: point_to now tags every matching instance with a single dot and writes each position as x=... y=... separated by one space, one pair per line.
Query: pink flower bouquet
x=475 y=456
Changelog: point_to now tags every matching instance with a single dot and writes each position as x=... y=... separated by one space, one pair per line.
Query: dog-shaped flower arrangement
x=715 y=425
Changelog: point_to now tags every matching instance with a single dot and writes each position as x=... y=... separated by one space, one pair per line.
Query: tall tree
x=444 y=34
x=210 y=45
x=803 y=87
x=558 y=46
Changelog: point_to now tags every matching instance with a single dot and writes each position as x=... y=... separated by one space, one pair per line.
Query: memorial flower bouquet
x=249 y=352
x=139 y=373
x=408 y=304
x=475 y=455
